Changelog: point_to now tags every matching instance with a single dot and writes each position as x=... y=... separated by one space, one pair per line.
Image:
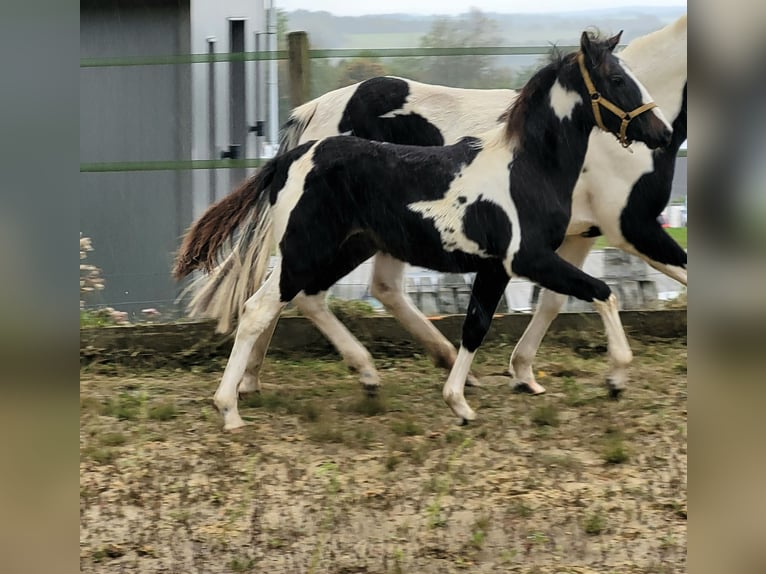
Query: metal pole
x=272 y=83
x=211 y=119
x=258 y=99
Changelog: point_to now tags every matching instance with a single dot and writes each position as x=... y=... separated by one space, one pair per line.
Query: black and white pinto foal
x=497 y=204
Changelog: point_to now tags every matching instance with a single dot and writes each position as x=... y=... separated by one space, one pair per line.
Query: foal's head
x=619 y=102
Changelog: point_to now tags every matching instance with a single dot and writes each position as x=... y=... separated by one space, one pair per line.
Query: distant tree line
x=473 y=29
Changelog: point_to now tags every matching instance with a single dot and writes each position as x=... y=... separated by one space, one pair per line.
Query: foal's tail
x=296 y=124
x=240 y=226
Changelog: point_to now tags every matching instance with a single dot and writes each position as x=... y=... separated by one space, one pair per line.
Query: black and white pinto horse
x=498 y=204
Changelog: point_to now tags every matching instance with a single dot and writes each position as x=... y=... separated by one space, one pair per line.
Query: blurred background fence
x=181 y=100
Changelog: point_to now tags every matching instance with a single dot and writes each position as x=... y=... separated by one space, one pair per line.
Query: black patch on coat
x=379 y=96
x=649 y=196
x=357 y=184
x=488 y=225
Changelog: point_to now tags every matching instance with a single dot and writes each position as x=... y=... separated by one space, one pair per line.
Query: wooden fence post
x=298 y=62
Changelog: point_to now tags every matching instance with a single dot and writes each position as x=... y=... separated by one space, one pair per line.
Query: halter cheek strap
x=597 y=100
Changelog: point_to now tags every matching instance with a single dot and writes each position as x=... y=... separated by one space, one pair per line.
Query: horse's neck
x=558 y=147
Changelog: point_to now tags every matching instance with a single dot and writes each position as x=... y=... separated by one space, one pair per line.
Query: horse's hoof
x=615 y=393
x=371 y=391
x=525 y=388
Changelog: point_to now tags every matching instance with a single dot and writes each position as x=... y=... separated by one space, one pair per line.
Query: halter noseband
x=597 y=100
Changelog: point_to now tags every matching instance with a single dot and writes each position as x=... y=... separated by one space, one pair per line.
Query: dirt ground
x=326 y=480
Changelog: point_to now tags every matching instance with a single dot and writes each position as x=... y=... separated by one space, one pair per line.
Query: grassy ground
x=677 y=233
x=325 y=480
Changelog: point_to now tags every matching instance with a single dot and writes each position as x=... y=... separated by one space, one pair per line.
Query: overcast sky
x=358 y=7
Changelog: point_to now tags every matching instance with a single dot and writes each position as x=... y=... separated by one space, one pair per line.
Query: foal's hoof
x=372 y=391
x=615 y=392
x=525 y=388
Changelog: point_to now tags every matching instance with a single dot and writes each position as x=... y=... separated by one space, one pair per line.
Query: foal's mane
x=516 y=115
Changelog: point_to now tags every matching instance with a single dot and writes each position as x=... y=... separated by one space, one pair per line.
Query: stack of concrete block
x=627 y=276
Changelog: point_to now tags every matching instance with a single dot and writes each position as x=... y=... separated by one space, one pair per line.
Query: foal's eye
x=617 y=80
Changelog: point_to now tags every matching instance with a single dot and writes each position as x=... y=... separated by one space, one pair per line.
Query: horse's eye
x=617 y=80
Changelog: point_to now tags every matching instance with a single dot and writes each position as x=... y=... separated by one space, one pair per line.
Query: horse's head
x=620 y=103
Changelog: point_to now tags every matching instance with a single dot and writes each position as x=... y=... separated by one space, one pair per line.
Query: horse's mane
x=516 y=115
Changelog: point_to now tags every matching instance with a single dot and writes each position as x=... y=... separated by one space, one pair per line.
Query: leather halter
x=596 y=100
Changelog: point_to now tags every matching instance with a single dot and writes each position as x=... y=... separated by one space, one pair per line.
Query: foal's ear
x=612 y=42
x=590 y=49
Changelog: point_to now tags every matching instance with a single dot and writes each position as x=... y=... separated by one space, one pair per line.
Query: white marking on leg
x=453 y=388
x=620 y=355
x=260 y=311
x=563 y=101
x=356 y=356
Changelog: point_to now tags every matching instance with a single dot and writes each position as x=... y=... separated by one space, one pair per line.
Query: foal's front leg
x=487 y=289
x=550 y=271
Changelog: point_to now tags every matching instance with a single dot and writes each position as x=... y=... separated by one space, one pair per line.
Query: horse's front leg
x=552 y=272
x=574 y=249
x=487 y=289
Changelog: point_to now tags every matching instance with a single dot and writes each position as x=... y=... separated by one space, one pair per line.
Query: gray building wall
x=135 y=113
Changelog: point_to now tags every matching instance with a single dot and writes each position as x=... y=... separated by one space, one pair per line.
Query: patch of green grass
x=392 y=461
x=479 y=532
x=406 y=427
x=546 y=415
x=113 y=439
x=615 y=451
x=595 y=523
x=521 y=509
x=241 y=564
x=368 y=406
x=311 y=411
x=326 y=431
x=125 y=406
x=100 y=455
x=163 y=412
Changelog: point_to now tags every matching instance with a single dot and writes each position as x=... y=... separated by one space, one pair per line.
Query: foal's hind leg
x=574 y=249
x=355 y=355
x=387 y=287
x=260 y=311
x=251 y=381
